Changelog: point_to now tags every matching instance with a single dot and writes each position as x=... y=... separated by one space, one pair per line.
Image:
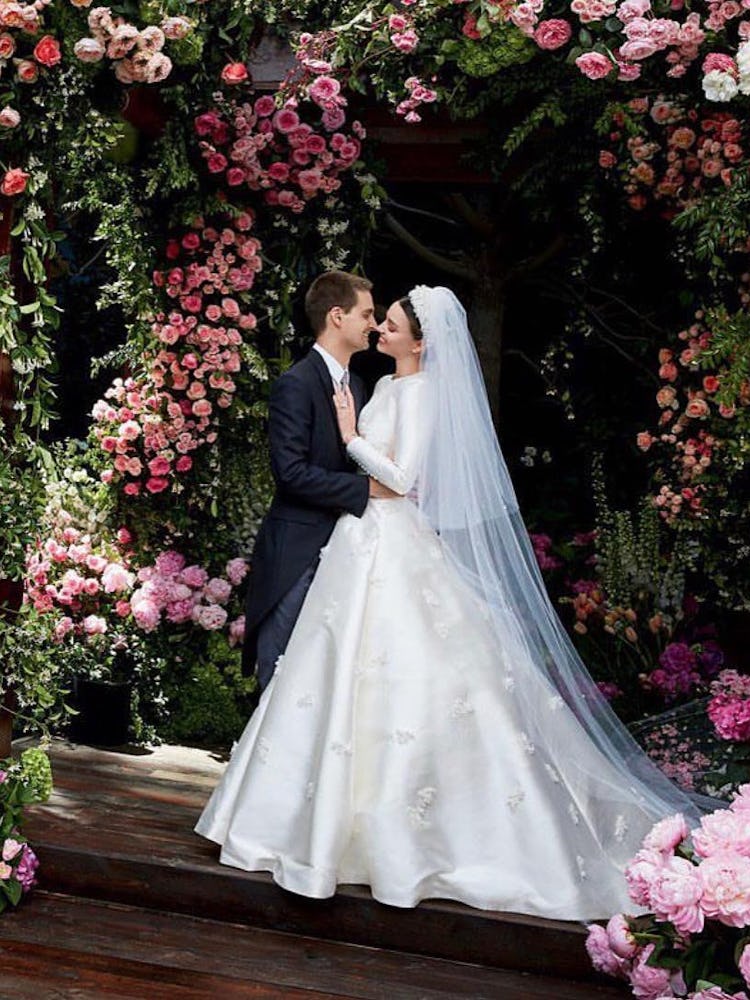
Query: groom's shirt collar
x=332 y=364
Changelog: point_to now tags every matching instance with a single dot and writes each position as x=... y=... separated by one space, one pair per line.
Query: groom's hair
x=334 y=288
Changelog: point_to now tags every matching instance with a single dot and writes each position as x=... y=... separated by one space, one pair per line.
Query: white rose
x=719 y=86
x=89 y=50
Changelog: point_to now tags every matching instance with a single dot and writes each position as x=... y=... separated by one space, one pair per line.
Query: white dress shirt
x=333 y=366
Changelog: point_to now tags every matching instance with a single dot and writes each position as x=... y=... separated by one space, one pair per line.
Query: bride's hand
x=347 y=418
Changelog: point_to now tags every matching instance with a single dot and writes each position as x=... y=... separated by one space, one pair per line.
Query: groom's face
x=354 y=325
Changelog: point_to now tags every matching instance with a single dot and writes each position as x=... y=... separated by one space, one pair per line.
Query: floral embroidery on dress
x=343 y=749
x=574 y=814
x=329 y=612
x=403 y=736
x=527 y=744
x=552 y=773
x=621 y=828
x=581 y=867
x=509 y=682
x=461 y=708
x=556 y=702
x=442 y=629
x=309 y=790
x=418 y=813
x=430 y=597
x=515 y=799
x=305 y=701
x=264 y=748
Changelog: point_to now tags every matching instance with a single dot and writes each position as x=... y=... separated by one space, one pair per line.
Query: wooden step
x=64 y=946
x=119 y=827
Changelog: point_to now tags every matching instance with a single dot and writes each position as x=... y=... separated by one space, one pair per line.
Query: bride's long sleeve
x=398 y=473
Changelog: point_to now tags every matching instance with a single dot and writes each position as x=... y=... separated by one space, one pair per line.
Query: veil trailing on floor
x=466 y=493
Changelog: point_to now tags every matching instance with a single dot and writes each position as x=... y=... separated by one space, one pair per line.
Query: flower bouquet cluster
x=171 y=591
x=729 y=707
x=22 y=783
x=275 y=151
x=84 y=580
x=669 y=153
x=694 y=940
x=137 y=55
x=149 y=426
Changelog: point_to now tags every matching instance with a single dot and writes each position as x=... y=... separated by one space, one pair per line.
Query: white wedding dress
x=389 y=749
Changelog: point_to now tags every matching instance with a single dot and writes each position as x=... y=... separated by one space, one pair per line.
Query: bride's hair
x=414 y=324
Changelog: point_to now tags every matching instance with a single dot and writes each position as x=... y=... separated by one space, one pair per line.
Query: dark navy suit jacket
x=316 y=482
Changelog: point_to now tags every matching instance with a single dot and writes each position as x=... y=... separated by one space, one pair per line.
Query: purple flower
x=26 y=870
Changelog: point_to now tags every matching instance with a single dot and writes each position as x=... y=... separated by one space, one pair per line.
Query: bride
x=431 y=731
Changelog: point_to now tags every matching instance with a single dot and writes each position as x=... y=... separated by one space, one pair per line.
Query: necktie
x=344 y=383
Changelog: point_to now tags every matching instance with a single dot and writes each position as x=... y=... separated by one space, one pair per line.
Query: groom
x=315 y=479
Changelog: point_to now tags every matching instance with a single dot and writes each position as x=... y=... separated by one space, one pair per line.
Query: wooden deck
x=132 y=903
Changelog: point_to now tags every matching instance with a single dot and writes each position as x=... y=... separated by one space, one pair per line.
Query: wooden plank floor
x=130 y=894
x=124 y=950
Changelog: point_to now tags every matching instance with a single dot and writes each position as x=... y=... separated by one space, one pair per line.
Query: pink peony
x=726 y=888
x=236 y=569
x=218 y=591
x=594 y=65
x=649 y=982
x=552 y=34
x=744 y=964
x=667 y=834
x=720 y=832
x=116 y=579
x=641 y=873
x=209 y=616
x=620 y=937
x=676 y=893
x=324 y=89
x=237 y=631
x=600 y=952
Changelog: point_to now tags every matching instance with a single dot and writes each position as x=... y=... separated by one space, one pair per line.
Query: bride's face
x=396 y=338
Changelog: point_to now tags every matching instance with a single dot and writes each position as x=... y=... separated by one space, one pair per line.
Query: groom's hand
x=380 y=492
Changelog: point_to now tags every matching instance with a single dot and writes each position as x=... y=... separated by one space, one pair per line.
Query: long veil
x=466 y=493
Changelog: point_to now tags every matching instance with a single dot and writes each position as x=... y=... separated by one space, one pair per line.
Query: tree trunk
x=486 y=314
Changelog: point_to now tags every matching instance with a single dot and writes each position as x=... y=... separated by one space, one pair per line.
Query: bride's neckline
x=400 y=378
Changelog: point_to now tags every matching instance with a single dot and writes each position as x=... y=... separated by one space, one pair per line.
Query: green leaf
x=30 y=307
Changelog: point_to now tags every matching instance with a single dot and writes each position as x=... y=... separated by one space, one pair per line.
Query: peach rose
x=27 y=71
x=697 y=408
x=7 y=45
x=235 y=72
x=14 y=181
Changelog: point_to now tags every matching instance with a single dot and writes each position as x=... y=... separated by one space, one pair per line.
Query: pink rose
x=216 y=163
x=94 y=625
x=47 y=51
x=324 y=89
x=630 y=9
x=156 y=484
x=11 y=848
x=286 y=120
x=264 y=107
x=194 y=576
x=235 y=72
x=636 y=49
x=594 y=65
x=744 y=964
x=405 y=41
x=552 y=34
x=217 y=591
x=237 y=631
x=9 y=117
x=116 y=578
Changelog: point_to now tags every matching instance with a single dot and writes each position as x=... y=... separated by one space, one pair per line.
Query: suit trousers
x=278 y=625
